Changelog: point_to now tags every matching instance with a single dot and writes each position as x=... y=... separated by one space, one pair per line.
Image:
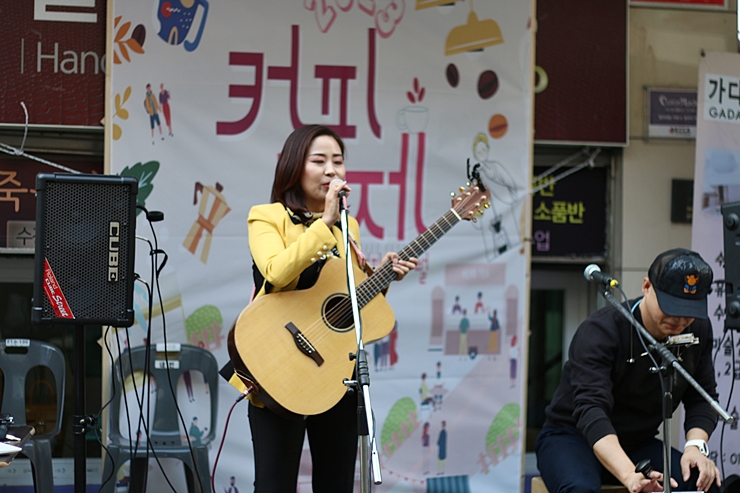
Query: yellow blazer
x=282 y=250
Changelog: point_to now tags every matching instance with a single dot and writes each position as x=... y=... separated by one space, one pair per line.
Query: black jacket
x=600 y=393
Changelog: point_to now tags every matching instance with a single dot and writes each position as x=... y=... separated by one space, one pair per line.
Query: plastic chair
x=15 y=362
x=164 y=430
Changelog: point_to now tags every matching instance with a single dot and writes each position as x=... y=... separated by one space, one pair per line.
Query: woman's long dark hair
x=286 y=187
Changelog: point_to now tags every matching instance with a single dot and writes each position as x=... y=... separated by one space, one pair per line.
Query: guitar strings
x=342 y=314
x=377 y=282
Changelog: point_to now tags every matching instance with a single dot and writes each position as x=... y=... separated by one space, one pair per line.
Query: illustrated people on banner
x=284 y=238
x=385 y=351
x=442 y=449
x=439 y=370
x=464 y=326
x=392 y=352
x=607 y=410
x=424 y=392
x=425 y=448
x=479 y=304
x=152 y=108
x=495 y=333
x=513 y=356
x=187 y=379
x=232 y=486
x=456 y=308
x=196 y=434
x=164 y=102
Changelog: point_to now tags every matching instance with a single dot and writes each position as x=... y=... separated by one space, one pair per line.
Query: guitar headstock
x=471 y=201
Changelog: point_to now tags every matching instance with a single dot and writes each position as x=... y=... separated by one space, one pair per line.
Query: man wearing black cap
x=607 y=410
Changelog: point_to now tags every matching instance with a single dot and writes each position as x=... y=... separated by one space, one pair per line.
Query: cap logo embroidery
x=691 y=281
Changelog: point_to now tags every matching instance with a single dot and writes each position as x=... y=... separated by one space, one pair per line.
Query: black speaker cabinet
x=85 y=235
x=731 y=229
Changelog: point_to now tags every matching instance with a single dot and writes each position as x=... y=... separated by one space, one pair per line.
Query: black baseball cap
x=682 y=280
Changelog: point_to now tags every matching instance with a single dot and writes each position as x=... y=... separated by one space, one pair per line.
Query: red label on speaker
x=54 y=293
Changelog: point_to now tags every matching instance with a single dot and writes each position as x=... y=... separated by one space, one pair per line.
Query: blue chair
x=15 y=362
x=164 y=426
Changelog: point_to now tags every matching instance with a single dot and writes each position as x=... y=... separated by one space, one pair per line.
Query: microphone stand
x=365 y=421
x=669 y=362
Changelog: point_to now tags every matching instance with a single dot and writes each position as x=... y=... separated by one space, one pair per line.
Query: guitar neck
x=381 y=278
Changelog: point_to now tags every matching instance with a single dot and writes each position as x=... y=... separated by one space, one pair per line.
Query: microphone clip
x=681 y=340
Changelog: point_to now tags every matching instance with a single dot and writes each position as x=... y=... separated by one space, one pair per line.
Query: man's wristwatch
x=701 y=444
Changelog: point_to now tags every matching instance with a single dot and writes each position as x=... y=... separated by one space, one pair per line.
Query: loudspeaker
x=731 y=222
x=85 y=234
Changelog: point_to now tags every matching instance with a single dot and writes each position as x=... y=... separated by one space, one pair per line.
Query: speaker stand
x=80 y=421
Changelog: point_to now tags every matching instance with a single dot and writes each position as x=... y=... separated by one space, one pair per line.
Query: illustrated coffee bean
x=453 y=76
x=139 y=34
x=487 y=84
x=497 y=126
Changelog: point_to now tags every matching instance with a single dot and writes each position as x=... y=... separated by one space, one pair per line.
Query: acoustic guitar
x=293 y=347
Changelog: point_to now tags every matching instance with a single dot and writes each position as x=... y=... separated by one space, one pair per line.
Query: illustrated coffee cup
x=413 y=119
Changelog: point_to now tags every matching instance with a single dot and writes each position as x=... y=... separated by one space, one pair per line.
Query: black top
x=600 y=393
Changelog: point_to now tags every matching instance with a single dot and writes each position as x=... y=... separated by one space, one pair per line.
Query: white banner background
x=411 y=116
x=716 y=182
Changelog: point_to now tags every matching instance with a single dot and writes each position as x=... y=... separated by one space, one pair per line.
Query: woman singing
x=290 y=239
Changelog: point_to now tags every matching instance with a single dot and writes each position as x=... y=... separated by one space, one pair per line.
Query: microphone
x=342 y=192
x=592 y=272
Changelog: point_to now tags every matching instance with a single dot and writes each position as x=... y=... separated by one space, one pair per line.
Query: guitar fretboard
x=381 y=278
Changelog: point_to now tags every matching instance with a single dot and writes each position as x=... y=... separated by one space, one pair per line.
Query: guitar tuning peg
x=467 y=183
x=487 y=205
x=462 y=189
x=475 y=220
x=452 y=193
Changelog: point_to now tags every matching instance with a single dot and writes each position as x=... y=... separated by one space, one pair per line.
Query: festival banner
x=716 y=183
x=202 y=96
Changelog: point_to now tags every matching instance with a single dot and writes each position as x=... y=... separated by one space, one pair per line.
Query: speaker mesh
x=75 y=230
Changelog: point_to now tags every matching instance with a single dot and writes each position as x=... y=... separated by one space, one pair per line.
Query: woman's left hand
x=400 y=267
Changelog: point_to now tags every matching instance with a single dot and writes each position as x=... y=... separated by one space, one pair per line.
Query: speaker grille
x=75 y=239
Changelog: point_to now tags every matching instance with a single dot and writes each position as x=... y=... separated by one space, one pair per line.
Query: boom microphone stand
x=668 y=364
x=365 y=421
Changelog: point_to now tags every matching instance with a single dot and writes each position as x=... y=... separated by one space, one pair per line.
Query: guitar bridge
x=303 y=344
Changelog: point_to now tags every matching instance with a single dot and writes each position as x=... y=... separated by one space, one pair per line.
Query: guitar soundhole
x=337 y=313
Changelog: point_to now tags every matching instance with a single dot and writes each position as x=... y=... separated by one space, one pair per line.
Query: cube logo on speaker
x=114 y=242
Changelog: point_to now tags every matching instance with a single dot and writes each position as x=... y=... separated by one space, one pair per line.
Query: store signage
x=672 y=113
x=53 y=62
x=569 y=215
x=18 y=195
x=708 y=4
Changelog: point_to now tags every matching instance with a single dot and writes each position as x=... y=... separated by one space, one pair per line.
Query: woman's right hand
x=331 y=201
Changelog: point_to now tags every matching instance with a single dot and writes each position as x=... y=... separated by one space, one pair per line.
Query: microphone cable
x=151 y=217
x=144 y=416
x=223 y=437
